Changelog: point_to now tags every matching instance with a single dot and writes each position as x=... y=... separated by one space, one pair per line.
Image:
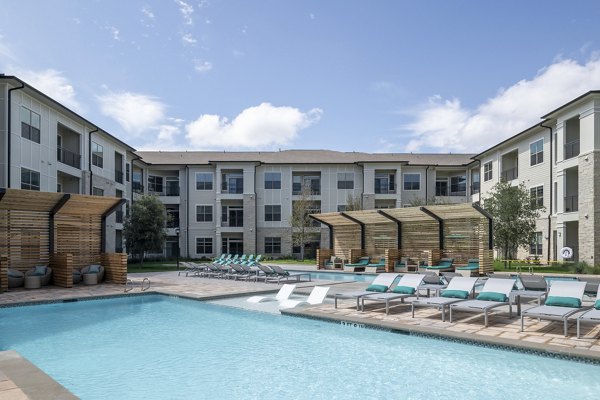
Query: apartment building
x=241 y=202
x=45 y=146
x=557 y=160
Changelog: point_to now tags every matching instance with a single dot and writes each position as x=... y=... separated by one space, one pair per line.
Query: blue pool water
x=156 y=347
x=340 y=276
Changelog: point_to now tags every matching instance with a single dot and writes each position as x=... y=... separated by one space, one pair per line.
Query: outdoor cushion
x=377 y=288
x=13 y=273
x=94 y=269
x=40 y=270
x=491 y=296
x=597 y=305
x=404 y=290
x=456 y=294
x=562 y=301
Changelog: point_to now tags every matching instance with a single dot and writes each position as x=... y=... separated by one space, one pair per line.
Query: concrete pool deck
x=539 y=336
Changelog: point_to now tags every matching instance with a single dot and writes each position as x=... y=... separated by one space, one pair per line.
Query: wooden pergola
x=459 y=231
x=64 y=231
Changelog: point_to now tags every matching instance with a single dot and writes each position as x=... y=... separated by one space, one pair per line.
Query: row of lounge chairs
x=249 y=260
x=563 y=299
x=317 y=296
x=256 y=272
x=444 y=265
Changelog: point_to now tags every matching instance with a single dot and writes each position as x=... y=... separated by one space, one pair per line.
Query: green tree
x=144 y=228
x=514 y=215
x=303 y=227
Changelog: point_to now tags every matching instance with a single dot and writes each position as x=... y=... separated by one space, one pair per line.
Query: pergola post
x=490 y=225
x=440 y=223
x=362 y=229
x=53 y=212
x=103 y=224
x=398 y=224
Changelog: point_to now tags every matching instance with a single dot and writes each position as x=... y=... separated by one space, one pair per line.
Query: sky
x=238 y=75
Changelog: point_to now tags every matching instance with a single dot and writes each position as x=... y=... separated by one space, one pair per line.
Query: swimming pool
x=339 y=276
x=158 y=347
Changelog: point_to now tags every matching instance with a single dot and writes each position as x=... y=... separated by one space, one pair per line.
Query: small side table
x=90 y=279
x=33 y=282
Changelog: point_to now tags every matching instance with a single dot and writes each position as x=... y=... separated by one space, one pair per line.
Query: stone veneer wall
x=286 y=240
x=589 y=196
x=249 y=204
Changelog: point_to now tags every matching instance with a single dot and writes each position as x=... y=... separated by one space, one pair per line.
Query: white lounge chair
x=283 y=294
x=591 y=316
x=458 y=289
x=407 y=286
x=495 y=293
x=380 y=284
x=564 y=299
x=317 y=296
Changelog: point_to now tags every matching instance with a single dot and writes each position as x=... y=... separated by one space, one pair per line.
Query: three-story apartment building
x=45 y=146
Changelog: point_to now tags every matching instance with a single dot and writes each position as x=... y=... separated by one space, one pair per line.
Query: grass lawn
x=307 y=261
x=153 y=266
x=538 y=269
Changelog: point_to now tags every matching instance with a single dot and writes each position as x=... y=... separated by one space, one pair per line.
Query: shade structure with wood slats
x=459 y=231
x=62 y=230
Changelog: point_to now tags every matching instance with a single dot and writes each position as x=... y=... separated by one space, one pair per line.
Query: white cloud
x=445 y=125
x=187 y=10
x=148 y=13
x=188 y=38
x=114 y=31
x=53 y=84
x=136 y=113
x=202 y=66
x=255 y=127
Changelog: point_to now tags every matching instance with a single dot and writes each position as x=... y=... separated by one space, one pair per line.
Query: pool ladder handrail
x=144 y=285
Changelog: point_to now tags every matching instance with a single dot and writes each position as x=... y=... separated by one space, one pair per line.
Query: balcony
x=137 y=187
x=118 y=176
x=68 y=157
x=509 y=174
x=571 y=203
x=572 y=149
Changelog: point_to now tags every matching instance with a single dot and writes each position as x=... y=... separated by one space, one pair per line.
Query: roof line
x=36 y=91
x=545 y=117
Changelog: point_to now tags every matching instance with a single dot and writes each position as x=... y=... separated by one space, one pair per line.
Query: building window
x=30 y=180
x=537 y=152
x=204 y=245
x=204 y=213
x=97 y=191
x=341 y=208
x=306 y=182
x=272 y=213
x=441 y=186
x=272 y=180
x=345 y=180
x=385 y=183
x=155 y=184
x=30 y=125
x=273 y=245
x=535 y=248
x=412 y=181
x=204 y=181
x=97 y=155
x=536 y=196
x=127 y=171
x=487 y=171
x=475 y=181
x=458 y=185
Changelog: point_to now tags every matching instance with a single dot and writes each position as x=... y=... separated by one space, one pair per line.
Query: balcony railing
x=571 y=149
x=68 y=157
x=571 y=203
x=509 y=174
x=137 y=187
x=119 y=216
x=173 y=223
x=118 y=176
